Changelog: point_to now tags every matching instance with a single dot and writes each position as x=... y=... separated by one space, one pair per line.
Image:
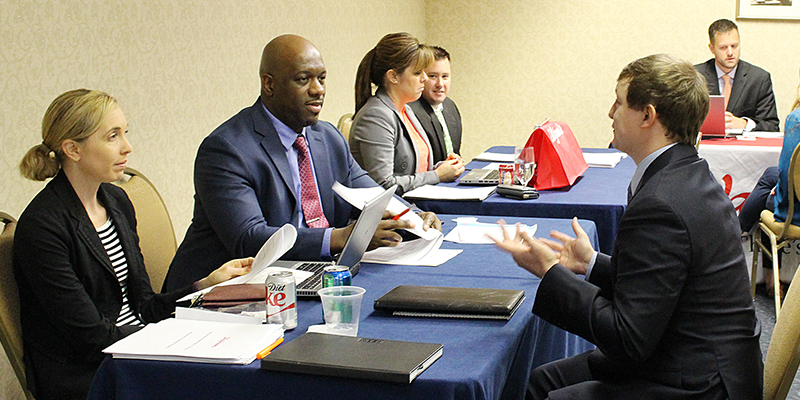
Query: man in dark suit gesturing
x=670 y=310
x=272 y=164
x=751 y=102
x=438 y=113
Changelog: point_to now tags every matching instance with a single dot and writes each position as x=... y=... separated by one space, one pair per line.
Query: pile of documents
x=197 y=341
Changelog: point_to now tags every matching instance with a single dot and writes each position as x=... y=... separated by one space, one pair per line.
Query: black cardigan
x=69 y=294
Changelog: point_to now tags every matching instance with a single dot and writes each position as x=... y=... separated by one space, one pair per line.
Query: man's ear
x=71 y=149
x=267 y=84
x=650 y=116
x=711 y=48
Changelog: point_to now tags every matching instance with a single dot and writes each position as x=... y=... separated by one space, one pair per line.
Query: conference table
x=737 y=163
x=600 y=195
x=482 y=359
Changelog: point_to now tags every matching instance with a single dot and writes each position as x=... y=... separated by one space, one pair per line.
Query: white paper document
x=276 y=246
x=419 y=252
x=199 y=314
x=507 y=158
x=603 y=160
x=469 y=231
x=436 y=192
x=197 y=341
x=357 y=197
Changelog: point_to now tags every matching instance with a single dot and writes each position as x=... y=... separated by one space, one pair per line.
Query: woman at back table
x=772 y=190
x=386 y=138
x=80 y=272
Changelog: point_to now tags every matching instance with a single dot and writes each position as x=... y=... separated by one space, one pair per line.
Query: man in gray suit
x=436 y=112
x=751 y=104
x=670 y=310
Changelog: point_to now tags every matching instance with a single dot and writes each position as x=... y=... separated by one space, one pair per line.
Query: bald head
x=292 y=80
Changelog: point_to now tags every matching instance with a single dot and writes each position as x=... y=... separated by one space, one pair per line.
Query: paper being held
x=276 y=246
x=357 y=197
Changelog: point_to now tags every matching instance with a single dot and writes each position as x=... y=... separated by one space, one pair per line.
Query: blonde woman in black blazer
x=71 y=293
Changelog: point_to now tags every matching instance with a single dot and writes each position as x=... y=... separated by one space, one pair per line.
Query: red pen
x=396 y=217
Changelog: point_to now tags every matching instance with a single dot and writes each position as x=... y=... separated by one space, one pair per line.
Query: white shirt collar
x=637 y=176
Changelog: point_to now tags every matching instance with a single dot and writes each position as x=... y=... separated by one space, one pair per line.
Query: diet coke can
x=281 y=299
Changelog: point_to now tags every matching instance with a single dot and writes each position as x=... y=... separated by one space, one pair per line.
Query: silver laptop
x=354 y=248
x=480 y=177
x=714 y=124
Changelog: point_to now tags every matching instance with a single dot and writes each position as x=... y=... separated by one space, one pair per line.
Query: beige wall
x=181 y=68
x=178 y=68
x=517 y=62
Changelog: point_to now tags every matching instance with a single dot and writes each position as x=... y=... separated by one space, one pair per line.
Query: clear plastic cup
x=341 y=306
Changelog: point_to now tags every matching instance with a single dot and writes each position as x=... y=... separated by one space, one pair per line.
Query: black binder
x=353 y=357
x=450 y=302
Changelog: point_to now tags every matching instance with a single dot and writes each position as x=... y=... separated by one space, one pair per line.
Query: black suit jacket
x=426 y=116
x=671 y=307
x=70 y=297
x=751 y=94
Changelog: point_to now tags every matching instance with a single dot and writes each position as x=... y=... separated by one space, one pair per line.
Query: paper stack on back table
x=197 y=341
x=424 y=251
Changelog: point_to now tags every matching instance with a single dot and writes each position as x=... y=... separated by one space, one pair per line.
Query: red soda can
x=281 y=299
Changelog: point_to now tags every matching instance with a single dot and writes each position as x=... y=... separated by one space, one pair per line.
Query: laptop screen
x=714 y=124
x=364 y=229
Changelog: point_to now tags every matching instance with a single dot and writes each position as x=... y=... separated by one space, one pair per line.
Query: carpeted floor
x=765 y=311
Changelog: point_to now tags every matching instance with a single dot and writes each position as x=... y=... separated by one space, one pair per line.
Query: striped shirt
x=108 y=235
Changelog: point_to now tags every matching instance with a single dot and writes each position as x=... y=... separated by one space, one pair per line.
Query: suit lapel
x=739 y=82
x=384 y=97
x=86 y=231
x=271 y=143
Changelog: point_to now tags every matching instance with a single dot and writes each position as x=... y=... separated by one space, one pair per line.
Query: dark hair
x=396 y=51
x=440 y=54
x=720 y=26
x=676 y=90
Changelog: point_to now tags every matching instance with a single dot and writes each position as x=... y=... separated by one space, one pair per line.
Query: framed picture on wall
x=768 y=9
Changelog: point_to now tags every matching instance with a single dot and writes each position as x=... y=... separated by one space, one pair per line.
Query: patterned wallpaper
x=179 y=69
x=517 y=62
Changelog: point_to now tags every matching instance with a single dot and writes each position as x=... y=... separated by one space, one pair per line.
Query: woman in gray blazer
x=386 y=138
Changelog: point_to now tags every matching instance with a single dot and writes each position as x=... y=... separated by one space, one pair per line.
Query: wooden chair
x=10 y=328
x=780 y=234
x=154 y=226
x=344 y=125
x=783 y=354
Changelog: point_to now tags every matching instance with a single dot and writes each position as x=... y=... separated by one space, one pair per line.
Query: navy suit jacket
x=244 y=193
x=671 y=308
x=433 y=128
x=751 y=94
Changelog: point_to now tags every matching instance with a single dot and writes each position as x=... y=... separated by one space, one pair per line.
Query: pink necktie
x=726 y=91
x=309 y=198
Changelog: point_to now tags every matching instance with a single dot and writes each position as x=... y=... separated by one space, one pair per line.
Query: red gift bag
x=559 y=159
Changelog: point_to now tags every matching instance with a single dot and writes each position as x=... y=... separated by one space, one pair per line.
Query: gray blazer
x=383 y=146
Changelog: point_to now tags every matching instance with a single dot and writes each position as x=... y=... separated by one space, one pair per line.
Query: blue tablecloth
x=482 y=359
x=600 y=195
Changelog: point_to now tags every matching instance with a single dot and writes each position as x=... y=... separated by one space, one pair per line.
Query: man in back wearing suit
x=249 y=173
x=438 y=113
x=751 y=104
x=670 y=310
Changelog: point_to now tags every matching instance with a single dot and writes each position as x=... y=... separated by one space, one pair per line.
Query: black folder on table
x=451 y=302
x=353 y=357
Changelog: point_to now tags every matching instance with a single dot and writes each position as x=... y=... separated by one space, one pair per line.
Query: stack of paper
x=496 y=157
x=197 y=341
x=603 y=160
x=436 y=192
